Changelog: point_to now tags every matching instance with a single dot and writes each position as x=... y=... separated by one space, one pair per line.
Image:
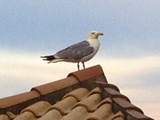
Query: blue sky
x=129 y=51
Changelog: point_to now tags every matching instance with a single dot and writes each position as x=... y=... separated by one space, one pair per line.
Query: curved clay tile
x=79 y=93
x=28 y=115
x=90 y=102
x=64 y=106
x=4 y=117
x=38 y=109
x=53 y=113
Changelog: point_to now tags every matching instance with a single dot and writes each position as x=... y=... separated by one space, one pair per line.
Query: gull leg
x=83 y=65
x=78 y=66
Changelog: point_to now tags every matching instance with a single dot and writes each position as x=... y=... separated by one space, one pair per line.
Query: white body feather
x=95 y=44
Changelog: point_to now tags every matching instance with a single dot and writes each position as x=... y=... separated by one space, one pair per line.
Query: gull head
x=94 y=34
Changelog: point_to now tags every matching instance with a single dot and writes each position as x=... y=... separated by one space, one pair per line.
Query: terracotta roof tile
x=90 y=102
x=4 y=117
x=56 y=85
x=115 y=94
x=38 y=109
x=64 y=106
x=88 y=73
x=137 y=114
x=126 y=105
x=78 y=93
x=53 y=113
x=13 y=100
x=10 y=115
x=83 y=95
x=105 y=105
x=28 y=115
x=118 y=116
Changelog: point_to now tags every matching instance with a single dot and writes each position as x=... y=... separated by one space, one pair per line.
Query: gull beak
x=100 y=33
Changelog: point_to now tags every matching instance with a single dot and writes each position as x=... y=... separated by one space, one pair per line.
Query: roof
x=82 y=95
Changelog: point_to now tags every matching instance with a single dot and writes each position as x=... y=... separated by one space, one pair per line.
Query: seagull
x=76 y=53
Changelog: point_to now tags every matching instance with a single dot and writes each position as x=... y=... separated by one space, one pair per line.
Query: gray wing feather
x=76 y=51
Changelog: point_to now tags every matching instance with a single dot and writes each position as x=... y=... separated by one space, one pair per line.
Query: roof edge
x=55 y=85
x=87 y=73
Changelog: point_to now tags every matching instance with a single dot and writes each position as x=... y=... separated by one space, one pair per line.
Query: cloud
x=123 y=67
x=25 y=66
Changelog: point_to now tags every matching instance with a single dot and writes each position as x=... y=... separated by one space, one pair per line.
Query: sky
x=129 y=53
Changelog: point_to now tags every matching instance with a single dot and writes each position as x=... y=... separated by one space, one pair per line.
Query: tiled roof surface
x=83 y=95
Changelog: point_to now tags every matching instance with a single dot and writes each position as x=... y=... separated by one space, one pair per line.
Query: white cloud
x=31 y=67
x=116 y=68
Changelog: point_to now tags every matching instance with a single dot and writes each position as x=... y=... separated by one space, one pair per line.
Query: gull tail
x=51 y=59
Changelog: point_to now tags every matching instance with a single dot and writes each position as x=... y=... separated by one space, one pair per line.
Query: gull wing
x=76 y=51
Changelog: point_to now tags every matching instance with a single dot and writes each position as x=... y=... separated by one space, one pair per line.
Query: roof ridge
x=87 y=73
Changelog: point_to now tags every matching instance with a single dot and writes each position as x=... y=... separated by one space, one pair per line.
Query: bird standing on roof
x=80 y=52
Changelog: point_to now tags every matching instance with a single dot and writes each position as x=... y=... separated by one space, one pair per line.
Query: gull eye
x=92 y=33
